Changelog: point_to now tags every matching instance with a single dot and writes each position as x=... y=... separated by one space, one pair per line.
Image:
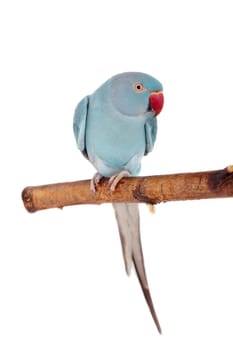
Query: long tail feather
x=127 y=215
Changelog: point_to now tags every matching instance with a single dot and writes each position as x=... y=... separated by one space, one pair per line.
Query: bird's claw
x=95 y=181
x=115 y=179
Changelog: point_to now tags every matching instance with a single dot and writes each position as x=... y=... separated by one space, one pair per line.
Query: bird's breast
x=115 y=140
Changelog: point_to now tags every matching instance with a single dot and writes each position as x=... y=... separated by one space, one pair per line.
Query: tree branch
x=149 y=189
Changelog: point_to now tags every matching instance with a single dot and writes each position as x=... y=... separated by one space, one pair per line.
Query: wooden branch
x=149 y=189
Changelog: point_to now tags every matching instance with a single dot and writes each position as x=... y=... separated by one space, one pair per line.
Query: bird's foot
x=95 y=181
x=115 y=179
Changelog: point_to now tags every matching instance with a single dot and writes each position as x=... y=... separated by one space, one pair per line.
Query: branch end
x=230 y=169
x=27 y=197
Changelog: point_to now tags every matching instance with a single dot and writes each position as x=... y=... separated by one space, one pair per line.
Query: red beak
x=156 y=101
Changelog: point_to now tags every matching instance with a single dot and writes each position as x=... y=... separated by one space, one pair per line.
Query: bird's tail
x=127 y=216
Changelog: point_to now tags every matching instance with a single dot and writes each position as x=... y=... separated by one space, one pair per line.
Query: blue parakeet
x=114 y=128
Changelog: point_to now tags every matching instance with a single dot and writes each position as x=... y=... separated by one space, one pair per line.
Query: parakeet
x=114 y=128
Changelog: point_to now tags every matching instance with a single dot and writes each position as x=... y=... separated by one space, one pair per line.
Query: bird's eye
x=138 y=87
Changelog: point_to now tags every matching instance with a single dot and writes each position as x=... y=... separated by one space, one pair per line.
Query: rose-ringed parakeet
x=114 y=128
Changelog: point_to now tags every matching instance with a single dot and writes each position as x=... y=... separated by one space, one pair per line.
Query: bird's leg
x=115 y=179
x=95 y=181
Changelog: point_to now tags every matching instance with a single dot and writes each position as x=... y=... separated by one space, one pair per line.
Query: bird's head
x=136 y=94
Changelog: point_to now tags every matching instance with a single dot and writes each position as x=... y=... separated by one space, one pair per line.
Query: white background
x=62 y=279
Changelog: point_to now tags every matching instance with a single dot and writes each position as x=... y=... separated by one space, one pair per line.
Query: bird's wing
x=79 y=125
x=127 y=215
x=150 y=134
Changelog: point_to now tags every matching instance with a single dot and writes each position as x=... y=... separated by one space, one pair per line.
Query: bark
x=149 y=189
